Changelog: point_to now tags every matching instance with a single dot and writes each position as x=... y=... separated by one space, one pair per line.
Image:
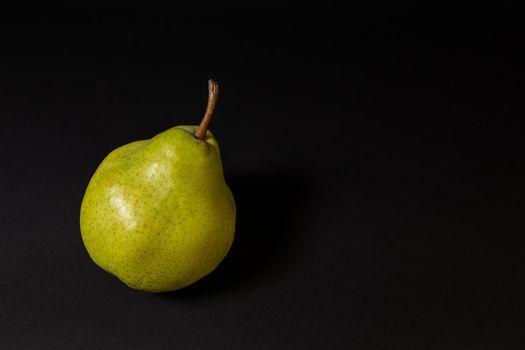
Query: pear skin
x=158 y=213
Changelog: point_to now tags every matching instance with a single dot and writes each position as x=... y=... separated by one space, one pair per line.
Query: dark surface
x=374 y=154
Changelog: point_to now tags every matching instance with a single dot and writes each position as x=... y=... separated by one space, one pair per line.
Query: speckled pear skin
x=157 y=213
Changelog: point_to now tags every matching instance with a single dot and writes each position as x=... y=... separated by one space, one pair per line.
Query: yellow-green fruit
x=157 y=213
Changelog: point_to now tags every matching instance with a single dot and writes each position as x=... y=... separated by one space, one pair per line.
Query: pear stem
x=213 y=94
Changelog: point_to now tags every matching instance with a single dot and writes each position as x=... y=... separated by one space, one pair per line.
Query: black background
x=374 y=153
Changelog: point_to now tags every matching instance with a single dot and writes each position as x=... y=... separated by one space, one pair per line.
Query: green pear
x=157 y=213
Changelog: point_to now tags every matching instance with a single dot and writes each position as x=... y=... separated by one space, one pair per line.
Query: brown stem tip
x=213 y=94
